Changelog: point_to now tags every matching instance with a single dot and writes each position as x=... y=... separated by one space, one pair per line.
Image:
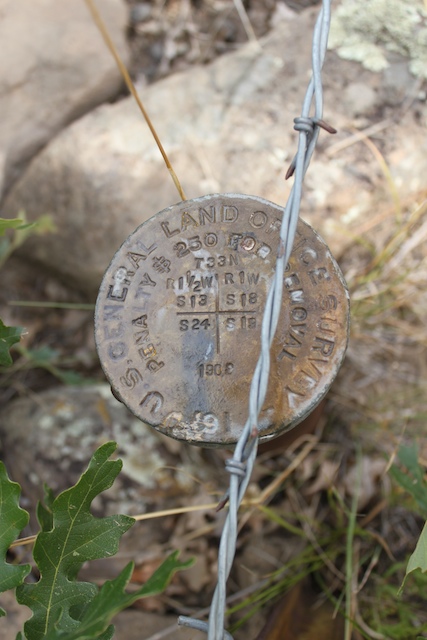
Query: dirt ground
x=169 y=36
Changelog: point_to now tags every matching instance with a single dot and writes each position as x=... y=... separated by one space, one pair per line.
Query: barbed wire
x=241 y=464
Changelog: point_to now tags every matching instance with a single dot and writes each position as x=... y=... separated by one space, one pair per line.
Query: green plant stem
x=80 y=306
x=349 y=568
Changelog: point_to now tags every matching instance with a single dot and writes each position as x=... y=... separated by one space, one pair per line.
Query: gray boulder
x=227 y=127
x=54 y=67
x=50 y=437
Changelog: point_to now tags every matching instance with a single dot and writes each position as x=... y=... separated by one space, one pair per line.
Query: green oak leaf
x=412 y=480
x=418 y=559
x=44 y=510
x=112 y=599
x=58 y=599
x=21 y=231
x=12 y=520
x=8 y=337
x=10 y=223
x=42 y=225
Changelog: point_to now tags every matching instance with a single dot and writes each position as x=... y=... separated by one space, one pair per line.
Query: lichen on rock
x=367 y=30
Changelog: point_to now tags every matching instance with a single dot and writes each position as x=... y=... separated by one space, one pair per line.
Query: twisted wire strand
x=241 y=464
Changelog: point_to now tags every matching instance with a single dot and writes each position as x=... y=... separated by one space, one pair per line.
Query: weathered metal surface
x=178 y=320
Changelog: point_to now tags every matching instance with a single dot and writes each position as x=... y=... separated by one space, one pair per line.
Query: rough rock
x=54 y=67
x=227 y=127
x=16 y=615
x=360 y=99
x=370 y=34
x=49 y=438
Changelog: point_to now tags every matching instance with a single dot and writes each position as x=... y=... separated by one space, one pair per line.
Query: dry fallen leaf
x=326 y=476
x=296 y=617
x=364 y=479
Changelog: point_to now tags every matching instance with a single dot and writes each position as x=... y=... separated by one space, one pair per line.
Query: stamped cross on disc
x=179 y=311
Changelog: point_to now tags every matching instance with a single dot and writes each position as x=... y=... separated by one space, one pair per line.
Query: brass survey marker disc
x=178 y=320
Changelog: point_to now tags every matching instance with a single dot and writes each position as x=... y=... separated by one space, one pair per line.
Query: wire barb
x=304 y=123
x=246 y=448
x=324 y=125
x=221 y=504
x=236 y=466
x=307 y=125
